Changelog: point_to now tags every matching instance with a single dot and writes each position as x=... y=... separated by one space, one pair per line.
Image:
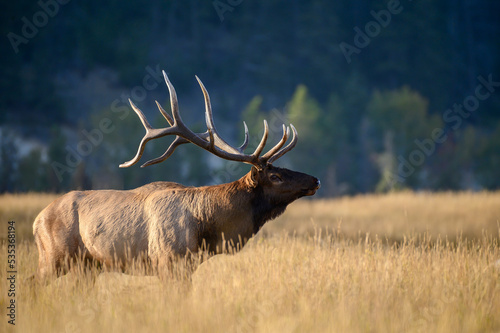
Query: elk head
x=280 y=186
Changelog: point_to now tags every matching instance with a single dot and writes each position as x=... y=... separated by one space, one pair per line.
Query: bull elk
x=162 y=220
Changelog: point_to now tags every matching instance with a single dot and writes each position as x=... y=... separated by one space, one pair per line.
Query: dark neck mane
x=243 y=194
x=264 y=208
x=263 y=212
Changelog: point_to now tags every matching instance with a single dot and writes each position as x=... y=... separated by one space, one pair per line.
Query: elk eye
x=275 y=178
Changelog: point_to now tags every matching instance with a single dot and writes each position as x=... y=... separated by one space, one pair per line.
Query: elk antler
x=209 y=140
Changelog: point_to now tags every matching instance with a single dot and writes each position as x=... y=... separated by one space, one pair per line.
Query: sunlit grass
x=23 y=209
x=395 y=215
x=314 y=269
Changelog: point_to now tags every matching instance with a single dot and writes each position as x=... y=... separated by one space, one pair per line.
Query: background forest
x=384 y=94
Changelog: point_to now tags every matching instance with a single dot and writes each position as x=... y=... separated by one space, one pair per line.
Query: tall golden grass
x=23 y=209
x=401 y=262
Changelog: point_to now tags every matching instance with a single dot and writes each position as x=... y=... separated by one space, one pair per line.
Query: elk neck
x=263 y=207
x=233 y=203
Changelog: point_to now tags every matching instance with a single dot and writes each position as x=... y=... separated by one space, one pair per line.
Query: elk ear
x=254 y=176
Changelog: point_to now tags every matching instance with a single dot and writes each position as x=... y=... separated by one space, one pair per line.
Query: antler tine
x=262 y=143
x=287 y=148
x=218 y=141
x=180 y=128
x=173 y=102
x=165 y=114
x=209 y=118
x=152 y=133
x=177 y=142
x=245 y=143
x=137 y=156
x=144 y=140
x=277 y=147
x=141 y=115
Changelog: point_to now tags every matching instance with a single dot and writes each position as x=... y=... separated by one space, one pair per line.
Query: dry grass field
x=403 y=262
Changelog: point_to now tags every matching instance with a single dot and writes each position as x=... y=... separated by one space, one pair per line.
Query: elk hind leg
x=54 y=253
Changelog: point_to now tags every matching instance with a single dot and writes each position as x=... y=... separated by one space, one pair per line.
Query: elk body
x=161 y=220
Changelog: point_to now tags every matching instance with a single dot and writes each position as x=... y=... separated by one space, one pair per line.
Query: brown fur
x=162 y=219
